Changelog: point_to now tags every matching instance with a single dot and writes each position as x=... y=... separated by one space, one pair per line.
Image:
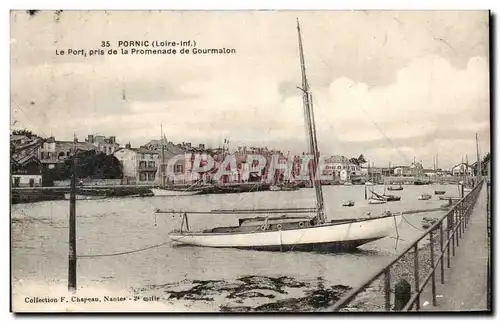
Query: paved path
x=465 y=287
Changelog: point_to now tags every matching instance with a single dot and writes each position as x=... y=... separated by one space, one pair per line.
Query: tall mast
x=467 y=169
x=311 y=130
x=479 y=165
x=162 y=167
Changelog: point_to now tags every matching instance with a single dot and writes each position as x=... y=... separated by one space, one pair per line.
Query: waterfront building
x=338 y=168
x=415 y=169
x=54 y=152
x=140 y=165
x=27 y=172
x=26 y=169
x=107 y=145
x=462 y=169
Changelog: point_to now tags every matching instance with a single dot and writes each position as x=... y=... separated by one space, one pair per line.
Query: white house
x=140 y=166
x=462 y=169
x=27 y=172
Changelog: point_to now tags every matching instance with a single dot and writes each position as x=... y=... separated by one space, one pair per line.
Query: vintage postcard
x=249 y=161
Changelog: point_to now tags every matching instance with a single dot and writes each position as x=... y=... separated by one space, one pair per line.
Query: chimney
x=112 y=139
x=90 y=138
x=202 y=146
x=128 y=146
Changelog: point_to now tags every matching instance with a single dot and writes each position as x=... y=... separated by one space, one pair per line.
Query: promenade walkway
x=466 y=281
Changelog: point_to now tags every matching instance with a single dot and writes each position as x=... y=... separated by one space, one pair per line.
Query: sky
x=391 y=85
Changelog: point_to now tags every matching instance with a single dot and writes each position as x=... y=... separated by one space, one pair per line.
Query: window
x=16 y=181
x=178 y=168
x=142 y=176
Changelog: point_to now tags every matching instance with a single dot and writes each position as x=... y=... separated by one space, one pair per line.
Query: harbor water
x=40 y=241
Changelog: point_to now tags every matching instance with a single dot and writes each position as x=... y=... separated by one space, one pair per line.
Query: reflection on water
x=40 y=239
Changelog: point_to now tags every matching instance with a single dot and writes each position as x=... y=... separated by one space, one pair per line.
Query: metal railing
x=450 y=229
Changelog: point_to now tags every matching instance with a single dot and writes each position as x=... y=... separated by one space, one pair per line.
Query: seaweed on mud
x=205 y=290
x=253 y=286
x=314 y=299
x=249 y=294
x=270 y=283
x=234 y=309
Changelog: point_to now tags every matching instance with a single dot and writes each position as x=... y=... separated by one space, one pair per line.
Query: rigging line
x=26 y=115
x=325 y=116
x=125 y=252
x=411 y=224
x=385 y=136
x=40 y=220
x=375 y=124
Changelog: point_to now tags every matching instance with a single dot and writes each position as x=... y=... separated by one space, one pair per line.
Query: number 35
x=105 y=43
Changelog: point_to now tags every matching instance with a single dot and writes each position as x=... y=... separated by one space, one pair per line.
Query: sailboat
x=292 y=228
x=164 y=190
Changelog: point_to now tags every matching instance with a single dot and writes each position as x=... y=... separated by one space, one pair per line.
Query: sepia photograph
x=250 y=161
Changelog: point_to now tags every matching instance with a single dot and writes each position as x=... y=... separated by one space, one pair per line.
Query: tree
x=91 y=164
x=354 y=161
x=486 y=159
x=361 y=159
x=25 y=132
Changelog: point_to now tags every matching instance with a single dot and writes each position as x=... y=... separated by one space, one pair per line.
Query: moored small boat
x=174 y=192
x=400 y=187
x=391 y=198
x=376 y=201
x=67 y=196
x=424 y=196
x=347 y=203
x=439 y=192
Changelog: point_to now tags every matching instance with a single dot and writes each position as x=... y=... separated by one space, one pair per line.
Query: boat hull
x=328 y=236
x=67 y=196
x=376 y=201
x=167 y=192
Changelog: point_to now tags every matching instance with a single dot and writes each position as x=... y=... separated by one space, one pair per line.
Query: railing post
x=441 y=248
x=464 y=213
x=448 y=239
x=452 y=216
x=433 y=276
x=467 y=212
x=387 y=289
x=457 y=225
x=415 y=274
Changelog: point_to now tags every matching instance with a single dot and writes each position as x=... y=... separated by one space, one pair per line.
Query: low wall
x=90 y=182
x=410 y=180
x=26 y=180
